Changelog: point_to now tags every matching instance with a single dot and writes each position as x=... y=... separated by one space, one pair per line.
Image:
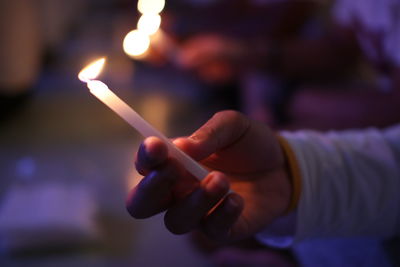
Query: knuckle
x=233 y=119
x=230 y=114
x=209 y=132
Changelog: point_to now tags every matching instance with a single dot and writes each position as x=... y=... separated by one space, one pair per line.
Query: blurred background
x=66 y=160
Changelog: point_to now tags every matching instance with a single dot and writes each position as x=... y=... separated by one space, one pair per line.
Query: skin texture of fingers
x=222 y=130
x=219 y=223
x=231 y=143
x=154 y=193
x=251 y=156
x=152 y=153
x=188 y=213
x=244 y=153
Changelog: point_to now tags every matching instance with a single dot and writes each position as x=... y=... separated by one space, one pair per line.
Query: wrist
x=293 y=172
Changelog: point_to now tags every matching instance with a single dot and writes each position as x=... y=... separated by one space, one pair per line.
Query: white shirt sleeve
x=350 y=183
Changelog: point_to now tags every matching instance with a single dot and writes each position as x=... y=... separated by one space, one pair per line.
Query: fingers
x=154 y=192
x=190 y=204
x=187 y=214
x=206 y=208
x=220 y=221
x=222 y=130
x=152 y=153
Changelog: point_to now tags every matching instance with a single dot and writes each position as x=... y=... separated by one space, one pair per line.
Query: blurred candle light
x=150 y=6
x=105 y=95
x=136 y=43
x=149 y=23
x=92 y=70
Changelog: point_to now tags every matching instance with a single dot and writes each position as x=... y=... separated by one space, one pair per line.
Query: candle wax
x=105 y=95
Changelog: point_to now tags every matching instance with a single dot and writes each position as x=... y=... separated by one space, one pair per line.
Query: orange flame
x=91 y=71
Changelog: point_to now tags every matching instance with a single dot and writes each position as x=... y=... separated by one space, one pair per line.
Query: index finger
x=222 y=130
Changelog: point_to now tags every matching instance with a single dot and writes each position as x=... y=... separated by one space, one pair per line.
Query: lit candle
x=105 y=95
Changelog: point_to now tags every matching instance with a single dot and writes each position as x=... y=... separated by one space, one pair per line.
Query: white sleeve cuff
x=350 y=184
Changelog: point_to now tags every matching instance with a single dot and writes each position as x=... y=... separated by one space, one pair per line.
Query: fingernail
x=144 y=152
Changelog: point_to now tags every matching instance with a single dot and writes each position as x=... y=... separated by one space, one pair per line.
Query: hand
x=240 y=154
x=214 y=58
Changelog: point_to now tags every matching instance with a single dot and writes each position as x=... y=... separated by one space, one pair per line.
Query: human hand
x=240 y=154
x=214 y=58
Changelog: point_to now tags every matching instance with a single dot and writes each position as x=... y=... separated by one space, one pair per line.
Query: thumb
x=224 y=129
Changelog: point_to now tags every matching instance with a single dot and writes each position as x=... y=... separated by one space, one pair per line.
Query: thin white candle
x=105 y=95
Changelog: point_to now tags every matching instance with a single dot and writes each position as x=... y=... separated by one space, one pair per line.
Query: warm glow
x=136 y=43
x=149 y=23
x=102 y=92
x=150 y=6
x=92 y=71
x=97 y=87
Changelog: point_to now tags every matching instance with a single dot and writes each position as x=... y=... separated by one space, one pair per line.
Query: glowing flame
x=91 y=71
x=149 y=23
x=136 y=43
x=150 y=6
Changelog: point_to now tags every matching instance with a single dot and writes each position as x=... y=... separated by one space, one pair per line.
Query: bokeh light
x=150 y=6
x=136 y=43
x=149 y=23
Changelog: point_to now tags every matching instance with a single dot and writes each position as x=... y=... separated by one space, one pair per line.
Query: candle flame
x=149 y=23
x=136 y=43
x=150 y=6
x=91 y=71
